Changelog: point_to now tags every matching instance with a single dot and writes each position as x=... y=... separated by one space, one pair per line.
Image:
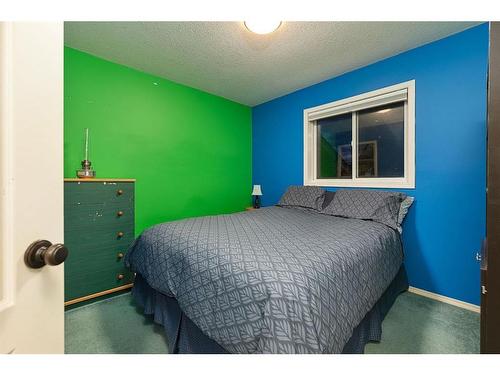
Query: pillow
x=403 y=210
x=380 y=206
x=303 y=196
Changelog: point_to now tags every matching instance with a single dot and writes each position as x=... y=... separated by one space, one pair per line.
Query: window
x=364 y=141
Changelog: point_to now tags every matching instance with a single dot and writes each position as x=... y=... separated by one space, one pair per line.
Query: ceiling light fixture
x=262 y=26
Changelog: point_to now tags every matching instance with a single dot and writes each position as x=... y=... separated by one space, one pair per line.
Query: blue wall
x=447 y=222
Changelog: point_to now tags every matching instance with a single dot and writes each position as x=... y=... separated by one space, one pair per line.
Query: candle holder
x=86 y=171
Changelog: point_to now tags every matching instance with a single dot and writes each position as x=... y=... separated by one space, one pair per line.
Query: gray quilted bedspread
x=273 y=280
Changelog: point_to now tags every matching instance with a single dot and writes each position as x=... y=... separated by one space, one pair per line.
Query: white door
x=31 y=182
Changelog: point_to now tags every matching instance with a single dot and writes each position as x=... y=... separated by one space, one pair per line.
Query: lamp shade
x=257 y=190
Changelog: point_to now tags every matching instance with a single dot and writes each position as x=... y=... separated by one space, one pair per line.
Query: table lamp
x=257 y=192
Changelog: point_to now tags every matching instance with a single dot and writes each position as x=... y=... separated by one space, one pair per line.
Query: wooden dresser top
x=99 y=180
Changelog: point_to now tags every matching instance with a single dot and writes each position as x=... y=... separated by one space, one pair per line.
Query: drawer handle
x=119 y=192
x=119 y=255
x=120 y=234
x=119 y=213
x=120 y=276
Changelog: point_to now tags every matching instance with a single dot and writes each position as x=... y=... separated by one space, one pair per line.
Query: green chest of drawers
x=98 y=229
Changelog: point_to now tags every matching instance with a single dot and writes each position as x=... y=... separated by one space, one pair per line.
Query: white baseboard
x=440 y=298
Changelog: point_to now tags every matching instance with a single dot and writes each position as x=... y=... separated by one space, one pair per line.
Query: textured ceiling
x=225 y=59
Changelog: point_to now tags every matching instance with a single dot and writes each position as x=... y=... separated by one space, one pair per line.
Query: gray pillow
x=379 y=206
x=403 y=210
x=303 y=196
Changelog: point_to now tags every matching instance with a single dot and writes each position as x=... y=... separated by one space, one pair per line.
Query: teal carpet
x=415 y=324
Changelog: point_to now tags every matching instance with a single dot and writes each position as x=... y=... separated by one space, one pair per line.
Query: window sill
x=386 y=183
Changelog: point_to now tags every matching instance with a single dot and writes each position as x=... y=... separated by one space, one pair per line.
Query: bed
x=272 y=280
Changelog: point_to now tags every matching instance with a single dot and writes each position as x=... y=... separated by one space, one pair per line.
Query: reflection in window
x=381 y=141
x=334 y=147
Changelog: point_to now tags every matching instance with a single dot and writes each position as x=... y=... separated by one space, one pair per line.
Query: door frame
x=6 y=169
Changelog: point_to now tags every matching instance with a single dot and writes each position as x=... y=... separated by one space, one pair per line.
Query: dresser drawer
x=96 y=280
x=86 y=216
x=108 y=234
x=109 y=193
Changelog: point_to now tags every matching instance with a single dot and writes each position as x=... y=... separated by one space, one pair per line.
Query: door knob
x=43 y=252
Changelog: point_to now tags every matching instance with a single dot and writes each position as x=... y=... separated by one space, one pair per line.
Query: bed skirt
x=184 y=337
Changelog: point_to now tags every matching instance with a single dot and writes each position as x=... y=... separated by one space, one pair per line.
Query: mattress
x=273 y=280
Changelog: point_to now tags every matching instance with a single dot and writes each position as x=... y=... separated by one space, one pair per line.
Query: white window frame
x=397 y=93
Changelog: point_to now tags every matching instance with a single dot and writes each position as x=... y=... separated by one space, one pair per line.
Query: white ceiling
x=225 y=59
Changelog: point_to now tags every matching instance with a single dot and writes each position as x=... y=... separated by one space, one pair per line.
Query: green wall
x=190 y=151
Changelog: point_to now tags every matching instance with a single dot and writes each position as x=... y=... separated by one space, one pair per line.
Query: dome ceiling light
x=262 y=26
